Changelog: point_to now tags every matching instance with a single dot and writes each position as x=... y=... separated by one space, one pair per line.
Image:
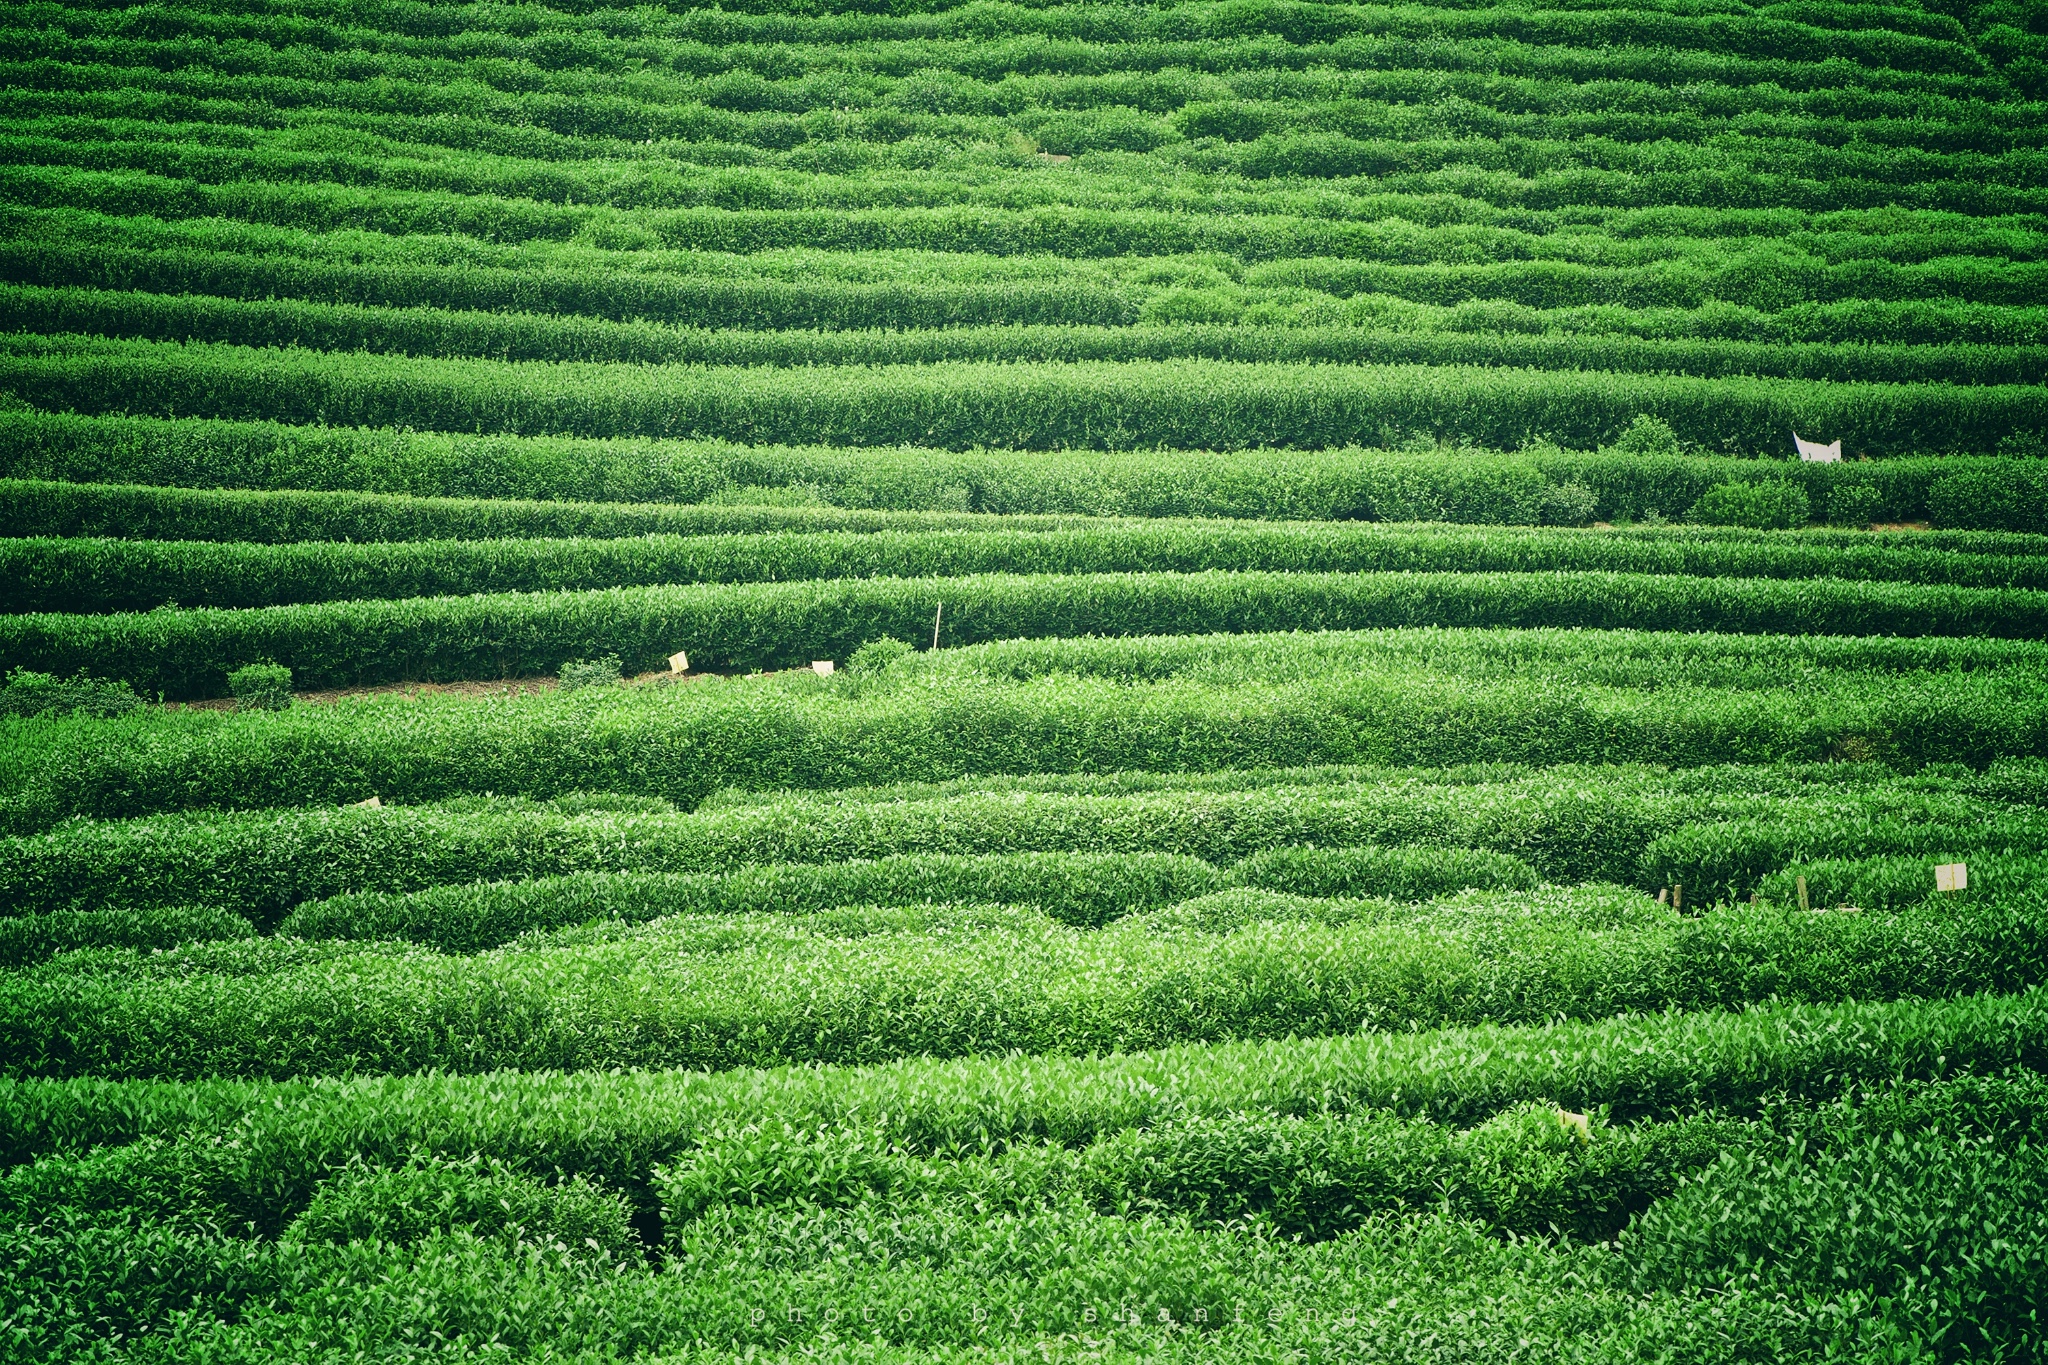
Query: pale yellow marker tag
x=372 y=804
x=822 y=667
x=679 y=662
x=1951 y=876
x=1577 y=1123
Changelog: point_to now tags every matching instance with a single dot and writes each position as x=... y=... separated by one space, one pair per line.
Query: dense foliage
x=906 y=680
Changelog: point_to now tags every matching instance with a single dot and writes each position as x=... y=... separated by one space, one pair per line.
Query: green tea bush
x=1083 y=980
x=580 y=673
x=876 y=655
x=1854 y=504
x=1647 y=435
x=1803 y=1222
x=720 y=992
x=1888 y=883
x=1311 y=1178
x=617 y=1125
x=1761 y=506
x=432 y=1194
x=1403 y=873
x=1178 y=404
x=2012 y=497
x=1073 y=888
x=27 y=939
x=28 y=693
x=100 y=575
x=261 y=687
x=741 y=627
x=1168 y=705
x=1569 y=504
x=1346 y=484
x=1615 y=826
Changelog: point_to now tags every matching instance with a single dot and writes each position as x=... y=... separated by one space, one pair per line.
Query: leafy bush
x=1073 y=888
x=781 y=625
x=1801 y=1222
x=431 y=1194
x=1311 y=1177
x=617 y=1125
x=876 y=655
x=28 y=693
x=1166 y=705
x=581 y=673
x=261 y=687
x=1569 y=504
x=2009 y=497
x=1402 y=873
x=1426 y=830
x=1647 y=435
x=876 y=984
x=484 y=472
x=1760 y=506
x=1179 y=404
x=26 y=939
x=1854 y=504
x=99 y=575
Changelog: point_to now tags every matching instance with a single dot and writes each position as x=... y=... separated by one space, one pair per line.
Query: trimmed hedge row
x=732 y=991
x=39 y=575
x=1182 y=404
x=1063 y=706
x=1080 y=889
x=28 y=939
x=618 y=1125
x=731 y=627
x=138 y=512
x=1623 y=825
x=32 y=509
x=1740 y=251
x=1913 y=44
x=1885 y=883
x=1345 y=485
x=529 y=337
x=940 y=1276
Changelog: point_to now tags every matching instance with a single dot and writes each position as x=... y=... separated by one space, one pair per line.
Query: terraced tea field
x=1365 y=806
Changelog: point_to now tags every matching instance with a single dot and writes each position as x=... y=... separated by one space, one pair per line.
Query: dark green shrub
x=261 y=687
x=601 y=672
x=1647 y=435
x=1569 y=504
x=33 y=938
x=877 y=655
x=28 y=693
x=1944 y=1231
x=1765 y=506
x=2007 y=497
x=433 y=1194
x=1854 y=504
x=1402 y=872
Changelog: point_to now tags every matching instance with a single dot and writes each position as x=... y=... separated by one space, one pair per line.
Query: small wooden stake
x=1677 y=896
x=936 y=617
x=1663 y=895
x=1803 y=906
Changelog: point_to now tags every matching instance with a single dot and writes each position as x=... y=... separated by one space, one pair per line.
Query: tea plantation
x=1365 y=804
